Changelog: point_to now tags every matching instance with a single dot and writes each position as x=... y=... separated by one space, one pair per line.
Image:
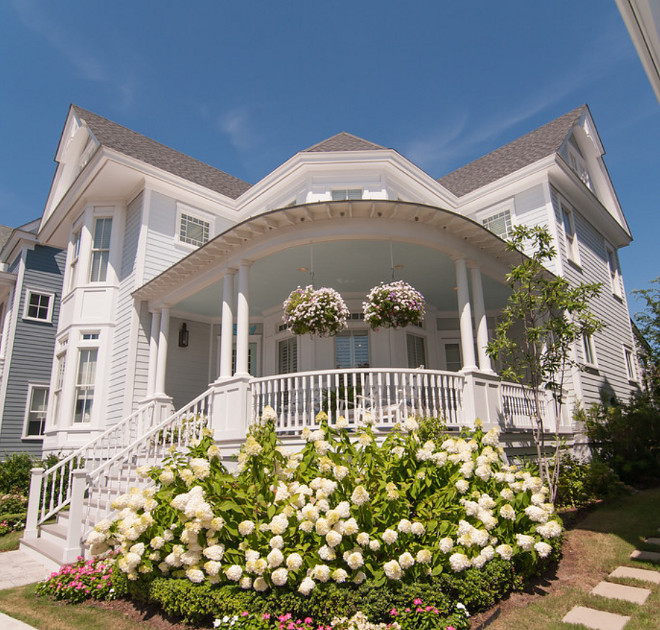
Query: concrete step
x=618 y=591
x=643 y=575
x=595 y=619
x=54 y=532
x=645 y=556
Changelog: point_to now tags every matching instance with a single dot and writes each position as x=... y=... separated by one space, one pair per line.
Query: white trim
x=507 y=205
x=26 y=414
x=26 y=305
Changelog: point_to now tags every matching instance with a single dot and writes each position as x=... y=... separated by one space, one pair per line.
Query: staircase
x=67 y=500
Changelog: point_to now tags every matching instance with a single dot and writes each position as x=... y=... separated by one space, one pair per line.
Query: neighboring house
x=642 y=19
x=30 y=291
x=176 y=273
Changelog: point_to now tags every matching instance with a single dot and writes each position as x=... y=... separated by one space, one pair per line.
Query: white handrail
x=390 y=395
x=55 y=483
x=115 y=475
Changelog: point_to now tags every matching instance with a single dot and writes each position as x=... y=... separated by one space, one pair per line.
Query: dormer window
x=346 y=194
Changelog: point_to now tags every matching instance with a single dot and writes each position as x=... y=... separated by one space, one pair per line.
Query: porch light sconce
x=184 y=336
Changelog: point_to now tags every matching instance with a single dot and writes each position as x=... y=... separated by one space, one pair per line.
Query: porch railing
x=517 y=407
x=390 y=395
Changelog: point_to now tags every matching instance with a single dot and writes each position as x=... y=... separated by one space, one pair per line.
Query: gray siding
x=33 y=346
x=611 y=376
x=123 y=331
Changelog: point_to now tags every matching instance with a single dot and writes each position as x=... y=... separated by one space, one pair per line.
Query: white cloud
x=236 y=125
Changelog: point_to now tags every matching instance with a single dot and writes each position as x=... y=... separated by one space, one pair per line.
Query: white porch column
x=465 y=315
x=153 y=353
x=242 y=319
x=227 y=324
x=480 y=321
x=161 y=365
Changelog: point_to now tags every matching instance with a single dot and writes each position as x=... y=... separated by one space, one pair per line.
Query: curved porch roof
x=365 y=220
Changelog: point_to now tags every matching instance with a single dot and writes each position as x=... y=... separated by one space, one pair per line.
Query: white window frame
x=28 y=410
x=570 y=240
x=629 y=362
x=579 y=166
x=293 y=355
x=352 y=333
x=350 y=194
x=614 y=271
x=85 y=346
x=196 y=215
x=502 y=210
x=100 y=250
x=26 y=306
x=589 y=348
x=60 y=369
x=417 y=339
x=76 y=237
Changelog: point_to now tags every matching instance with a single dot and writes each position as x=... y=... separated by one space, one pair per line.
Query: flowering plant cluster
x=425 y=617
x=85 y=579
x=393 y=305
x=320 y=312
x=8 y=525
x=343 y=509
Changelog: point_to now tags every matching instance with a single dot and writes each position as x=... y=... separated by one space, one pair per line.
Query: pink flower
x=308 y=620
x=417 y=602
x=393 y=612
x=245 y=613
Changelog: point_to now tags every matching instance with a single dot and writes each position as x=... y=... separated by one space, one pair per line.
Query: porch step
x=54 y=532
x=50 y=554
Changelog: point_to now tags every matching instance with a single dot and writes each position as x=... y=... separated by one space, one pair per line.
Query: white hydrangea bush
x=344 y=509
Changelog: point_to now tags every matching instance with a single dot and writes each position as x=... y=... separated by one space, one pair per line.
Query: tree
x=648 y=323
x=544 y=318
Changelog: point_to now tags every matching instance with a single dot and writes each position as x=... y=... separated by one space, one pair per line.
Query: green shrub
x=15 y=473
x=626 y=437
x=581 y=482
x=12 y=504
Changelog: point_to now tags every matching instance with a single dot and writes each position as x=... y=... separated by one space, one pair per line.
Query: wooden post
x=34 y=501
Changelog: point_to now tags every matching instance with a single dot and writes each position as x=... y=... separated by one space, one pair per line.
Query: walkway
x=18 y=569
x=600 y=620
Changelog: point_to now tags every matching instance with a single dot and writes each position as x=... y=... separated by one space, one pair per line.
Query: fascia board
x=7 y=279
x=17 y=241
x=587 y=204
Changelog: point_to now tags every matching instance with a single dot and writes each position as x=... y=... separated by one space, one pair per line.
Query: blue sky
x=244 y=85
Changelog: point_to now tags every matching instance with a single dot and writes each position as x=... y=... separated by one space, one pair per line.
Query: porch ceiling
x=350 y=267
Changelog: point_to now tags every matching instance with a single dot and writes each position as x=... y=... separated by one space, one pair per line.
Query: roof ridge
x=526 y=149
x=343 y=141
x=135 y=144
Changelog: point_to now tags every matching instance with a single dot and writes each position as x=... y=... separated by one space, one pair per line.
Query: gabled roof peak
x=133 y=144
x=343 y=141
x=523 y=151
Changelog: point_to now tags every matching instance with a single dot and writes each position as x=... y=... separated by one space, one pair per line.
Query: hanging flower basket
x=393 y=305
x=319 y=312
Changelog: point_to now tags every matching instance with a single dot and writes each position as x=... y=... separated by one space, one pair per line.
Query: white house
x=176 y=273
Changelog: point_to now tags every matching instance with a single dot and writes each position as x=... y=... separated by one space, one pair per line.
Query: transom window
x=352 y=350
x=38 y=306
x=35 y=412
x=193 y=230
x=100 y=250
x=346 y=194
x=499 y=223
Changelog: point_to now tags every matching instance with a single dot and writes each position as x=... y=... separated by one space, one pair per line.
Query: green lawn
x=9 y=542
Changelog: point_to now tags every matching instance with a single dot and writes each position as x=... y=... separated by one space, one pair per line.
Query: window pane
x=499 y=223
x=38 y=306
x=37 y=411
x=193 y=230
x=453 y=356
x=102 y=230
x=99 y=266
x=416 y=351
x=352 y=350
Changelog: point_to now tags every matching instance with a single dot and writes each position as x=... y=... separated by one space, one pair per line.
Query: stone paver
x=9 y=623
x=645 y=556
x=636 y=574
x=618 y=591
x=18 y=569
x=596 y=619
x=653 y=541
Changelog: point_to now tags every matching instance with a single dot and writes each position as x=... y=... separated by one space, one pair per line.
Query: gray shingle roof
x=343 y=142
x=5 y=233
x=525 y=150
x=134 y=145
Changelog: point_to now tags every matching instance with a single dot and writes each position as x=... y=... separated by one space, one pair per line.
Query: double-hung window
x=615 y=275
x=570 y=237
x=100 y=249
x=75 y=254
x=630 y=364
x=85 y=381
x=38 y=306
x=416 y=351
x=352 y=350
x=35 y=411
x=588 y=349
